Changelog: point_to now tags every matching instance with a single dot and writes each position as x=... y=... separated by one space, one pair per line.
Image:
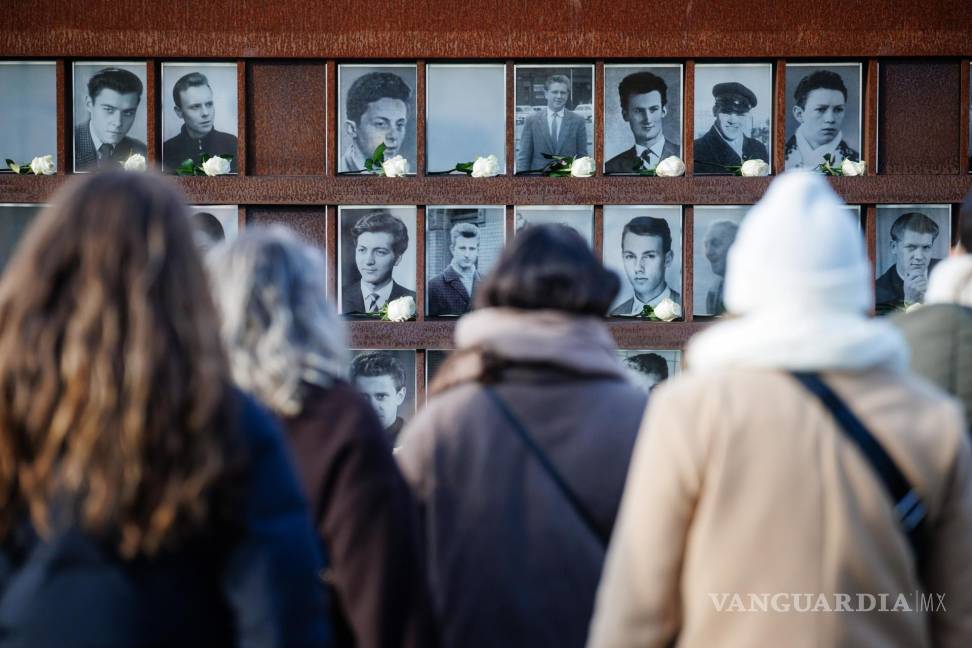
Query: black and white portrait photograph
x=554 y=113
x=715 y=230
x=970 y=120
x=461 y=245
x=733 y=116
x=376 y=257
x=387 y=380
x=823 y=114
x=576 y=217
x=642 y=116
x=110 y=115
x=465 y=109
x=213 y=224
x=643 y=246
x=434 y=358
x=376 y=105
x=199 y=113
x=15 y=218
x=28 y=104
x=648 y=368
x=911 y=240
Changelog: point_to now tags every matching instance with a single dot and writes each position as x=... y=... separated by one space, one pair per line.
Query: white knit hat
x=798 y=250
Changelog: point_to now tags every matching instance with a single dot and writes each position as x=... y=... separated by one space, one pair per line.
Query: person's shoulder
x=220 y=136
x=398 y=290
x=671 y=148
x=135 y=146
x=790 y=145
x=624 y=308
x=847 y=152
x=623 y=162
x=676 y=296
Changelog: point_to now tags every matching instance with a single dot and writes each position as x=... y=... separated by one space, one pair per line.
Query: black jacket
x=177 y=150
x=712 y=153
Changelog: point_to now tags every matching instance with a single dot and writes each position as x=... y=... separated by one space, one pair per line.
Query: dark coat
x=255 y=586
x=624 y=308
x=178 y=149
x=447 y=294
x=712 y=153
x=352 y=301
x=86 y=155
x=535 y=140
x=366 y=516
x=627 y=161
x=889 y=289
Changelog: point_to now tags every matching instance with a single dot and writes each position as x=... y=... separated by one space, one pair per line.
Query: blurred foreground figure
x=750 y=516
x=519 y=458
x=287 y=347
x=143 y=501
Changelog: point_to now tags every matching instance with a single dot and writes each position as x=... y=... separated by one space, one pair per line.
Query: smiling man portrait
x=111 y=103
x=728 y=143
x=646 y=250
x=553 y=129
x=193 y=97
x=379 y=240
x=644 y=107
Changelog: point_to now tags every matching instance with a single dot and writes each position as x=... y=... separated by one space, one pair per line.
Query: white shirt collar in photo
x=95 y=139
x=811 y=156
x=383 y=293
x=655 y=150
x=637 y=305
x=467 y=278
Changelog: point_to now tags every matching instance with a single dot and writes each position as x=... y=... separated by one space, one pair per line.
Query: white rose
x=752 y=168
x=395 y=167
x=670 y=167
x=135 y=162
x=43 y=165
x=215 y=166
x=485 y=167
x=401 y=309
x=582 y=167
x=852 y=168
x=913 y=307
x=667 y=310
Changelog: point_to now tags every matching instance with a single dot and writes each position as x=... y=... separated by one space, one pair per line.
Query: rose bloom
x=852 y=168
x=751 y=168
x=135 y=162
x=485 y=167
x=215 y=166
x=582 y=167
x=395 y=167
x=670 y=167
x=401 y=309
x=43 y=165
x=667 y=310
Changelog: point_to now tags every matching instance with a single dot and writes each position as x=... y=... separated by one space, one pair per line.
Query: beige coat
x=741 y=483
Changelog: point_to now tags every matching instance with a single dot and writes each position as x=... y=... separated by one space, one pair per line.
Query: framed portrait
x=823 y=114
x=733 y=116
x=911 y=240
x=15 y=219
x=715 y=229
x=110 y=116
x=642 y=116
x=554 y=113
x=28 y=104
x=376 y=105
x=199 y=113
x=643 y=246
x=461 y=245
x=465 y=108
x=213 y=224
x=648 y=368
x=433 y=361
x=386 y=377
x=376 y=257
x=579 y=218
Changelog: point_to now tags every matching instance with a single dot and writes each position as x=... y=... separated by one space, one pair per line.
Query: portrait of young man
x=646 y=370
x=646 y=251
x=911 y=249
x=823 y=115
x=376 y=110
x=451 y=292
x=194 y=105
x=552 y=128
x=736 y=134
x=377 y=242
x=643 y=100
x=382 y=378
x=715 y=232
x=112 y=97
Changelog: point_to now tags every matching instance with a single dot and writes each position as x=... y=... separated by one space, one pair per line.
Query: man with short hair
x=451 y=292
x=376 y=112
x=553 y=130
x=207 y=231
x=820 y=107
x=644 y=105
x=381 y=378
x=380 y=240
x=716 y=243
x=646 y=370
x=112 y=103
x=726 y=143
x=646 y=250
x=905 y=281
x=194 y=105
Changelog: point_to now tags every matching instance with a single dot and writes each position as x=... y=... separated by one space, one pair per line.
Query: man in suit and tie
x=646 y=249
x=380 y=240
x=451 y=292
x=726 y=144
x=112 y=103
x=553 y=130
x=644 y=105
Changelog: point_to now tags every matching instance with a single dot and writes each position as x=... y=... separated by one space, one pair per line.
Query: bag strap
x=908 y=506
x=582 y=512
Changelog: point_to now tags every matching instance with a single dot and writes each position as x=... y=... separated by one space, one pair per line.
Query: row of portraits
x=466 y=113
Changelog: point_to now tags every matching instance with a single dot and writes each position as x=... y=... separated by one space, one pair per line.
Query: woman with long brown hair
x=143 y=501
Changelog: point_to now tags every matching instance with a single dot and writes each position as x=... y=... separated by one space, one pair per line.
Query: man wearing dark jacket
x=381 y=378
x=194 y=105
x=112 y=102
x=451 y=292
x=905 y=282
x=380 y=240
x=644 y=106
x=726 y=144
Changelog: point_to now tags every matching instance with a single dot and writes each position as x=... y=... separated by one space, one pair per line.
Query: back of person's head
x=114 y=406
x=951 y=281
x=279 y=329
x=550 y=267
x=798 y=251
x=965 y=224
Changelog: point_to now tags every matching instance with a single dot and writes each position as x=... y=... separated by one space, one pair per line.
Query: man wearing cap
x=726 y=143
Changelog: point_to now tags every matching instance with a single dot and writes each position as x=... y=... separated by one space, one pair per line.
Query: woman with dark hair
x=143 y=501
x=519 y=458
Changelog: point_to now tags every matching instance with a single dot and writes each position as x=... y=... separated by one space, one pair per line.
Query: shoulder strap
x=602 y=536
x=908 y=506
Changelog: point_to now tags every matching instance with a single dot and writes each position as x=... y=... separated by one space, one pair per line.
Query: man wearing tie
x=644 y=105
x=112 y=103
x=380 y=240
x=553 y=130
